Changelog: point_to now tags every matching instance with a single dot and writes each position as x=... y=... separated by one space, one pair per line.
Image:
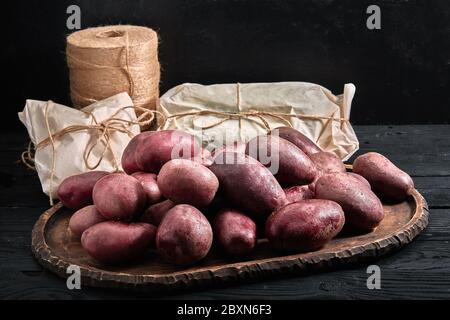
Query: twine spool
x=104 y=61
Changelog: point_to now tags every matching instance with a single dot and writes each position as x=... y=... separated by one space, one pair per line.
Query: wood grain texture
x=56 y=249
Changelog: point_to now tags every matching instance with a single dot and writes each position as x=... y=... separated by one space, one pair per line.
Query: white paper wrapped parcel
x=296 y=98
x=71 y=147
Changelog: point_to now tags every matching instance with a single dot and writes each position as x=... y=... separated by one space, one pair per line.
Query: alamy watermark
x=374 y=20
x=374 y=279
x=74 y=280
x=73 y=21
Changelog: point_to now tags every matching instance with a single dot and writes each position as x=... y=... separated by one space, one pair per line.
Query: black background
x=401 y=71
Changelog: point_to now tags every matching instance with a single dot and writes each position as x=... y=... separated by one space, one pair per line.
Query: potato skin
x=363 y=210
x=360 y=178
x=299 y=139
x=237 y=146
x=290 y=165
x=162 y=146
x=386 y=179
x=235 y=232
x=187 y=181
x=84 y=218
x=119 y=196
x=115 y=241
x=148 y=182
x=327 y=162
x=128 y=161
x=305 y=225
x=75 y=192
x=184 y=235
x=156 y=212
x=298 y=193
x=248 y=184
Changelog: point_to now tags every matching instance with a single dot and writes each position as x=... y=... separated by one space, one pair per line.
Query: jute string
x=104 y=129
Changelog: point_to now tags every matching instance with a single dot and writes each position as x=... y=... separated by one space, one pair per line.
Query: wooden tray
x=55 y=249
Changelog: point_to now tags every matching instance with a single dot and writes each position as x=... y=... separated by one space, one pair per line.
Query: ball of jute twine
x=104 y=61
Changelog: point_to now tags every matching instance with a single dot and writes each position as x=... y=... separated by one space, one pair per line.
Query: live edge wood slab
x=56 y=248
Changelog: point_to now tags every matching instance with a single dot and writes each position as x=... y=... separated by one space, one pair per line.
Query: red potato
x=115 y=241
x=235 y=232
x=184 y=235
x=119 y=196
x=187 y=181
x=386 y=179
x=237 y=146
x=363 y=209
x=156 y=212
x=129 y=164
x=360 y=178
x=305 y=225
x=289 y=164
x=75 y=192
x=298 y=193
x=84 y=218
x=297 y=138
x=148 y=182
x=327 y=162
x=162 y=146
x=248 y=184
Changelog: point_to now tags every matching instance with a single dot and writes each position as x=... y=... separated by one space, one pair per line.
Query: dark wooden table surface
x=420 y=270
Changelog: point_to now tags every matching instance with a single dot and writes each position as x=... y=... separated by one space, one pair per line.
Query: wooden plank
x=419 y=271
x=430 y=254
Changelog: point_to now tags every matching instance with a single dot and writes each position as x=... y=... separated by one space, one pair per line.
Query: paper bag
x=298 y=103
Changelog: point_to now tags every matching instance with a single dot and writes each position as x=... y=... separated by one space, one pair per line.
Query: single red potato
x=119 y=196
x=156 y=212
x=360 y=178
x=115 y=241
x=84 y=218
x=290 y=165
x=187 y=181
x=299 y=139
x=162 y=146
x=386 y=179
x=75 y=192
x=363 y=210
x=235 y=232
x=298 y=193
x=148 y=182
x=129 y=164
x=237 y=146
x=327 y=162
x=184 y=235
x=248 y=184
x=305 y=225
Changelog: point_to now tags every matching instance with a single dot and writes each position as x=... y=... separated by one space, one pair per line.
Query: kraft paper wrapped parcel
x=70 y=148
x=294 y=98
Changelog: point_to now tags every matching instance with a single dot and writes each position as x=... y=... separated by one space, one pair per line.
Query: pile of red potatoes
x=179 y=204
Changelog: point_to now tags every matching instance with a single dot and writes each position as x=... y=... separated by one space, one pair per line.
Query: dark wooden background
x=401 y=71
